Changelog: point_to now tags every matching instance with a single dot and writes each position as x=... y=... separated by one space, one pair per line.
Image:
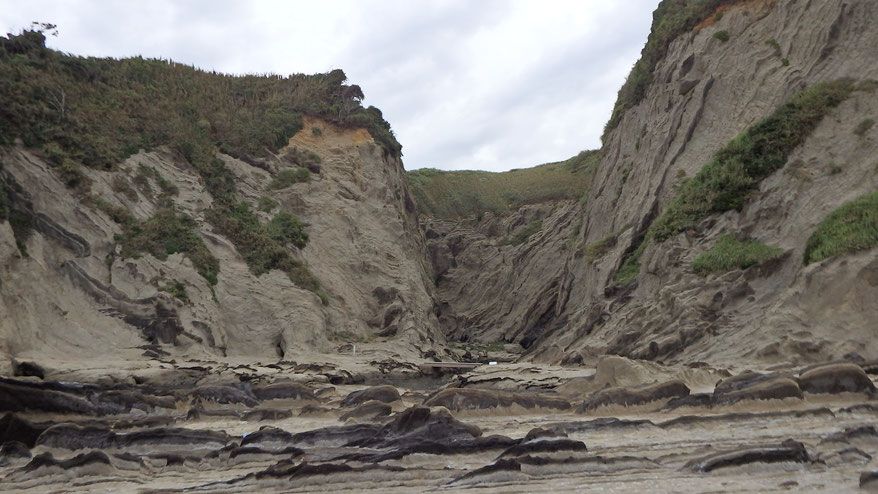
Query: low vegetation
x=671 y=19
x=176 y=289
x=20 y=222
x=266 y=204
x=596 y=250
x=722 y=36
x=851 y=228
x=458 y=194
x=288 y=177
x=730 y=253
x=264 y=247
x=630 y=267
x=737 y=169
x=525 y=233
x=168 y=232
x=864 y=126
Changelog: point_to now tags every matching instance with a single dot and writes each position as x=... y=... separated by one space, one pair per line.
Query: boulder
x=638 y=395
x=457 y=399
x=384 y=393
x=788 y=451
x=836 y=378
x=370 y=410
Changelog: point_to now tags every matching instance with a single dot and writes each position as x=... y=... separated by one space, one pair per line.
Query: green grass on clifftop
x=98 y=111
x=458 y=194
x=852 y=227
x=729 y=253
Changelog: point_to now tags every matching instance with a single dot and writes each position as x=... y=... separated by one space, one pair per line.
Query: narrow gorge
x=217 y=283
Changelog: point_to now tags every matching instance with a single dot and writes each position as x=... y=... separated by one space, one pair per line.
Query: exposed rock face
x=555 y=293
x=72 y=289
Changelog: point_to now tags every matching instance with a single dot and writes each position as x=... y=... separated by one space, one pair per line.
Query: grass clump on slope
x=737 y=169
x=458 y=194
x=729 y=253
x=264 y=247
x=850 y=228
x=168 y=232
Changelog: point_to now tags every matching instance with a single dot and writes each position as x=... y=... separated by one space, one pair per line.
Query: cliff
x=598 y=279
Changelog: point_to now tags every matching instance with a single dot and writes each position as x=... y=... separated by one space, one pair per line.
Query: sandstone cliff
x=69 y=295
x=558 y=293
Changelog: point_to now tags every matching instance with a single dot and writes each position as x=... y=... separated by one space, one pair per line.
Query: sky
x=465 y=84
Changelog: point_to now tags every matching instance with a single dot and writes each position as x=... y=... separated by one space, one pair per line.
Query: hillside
x=463 y=193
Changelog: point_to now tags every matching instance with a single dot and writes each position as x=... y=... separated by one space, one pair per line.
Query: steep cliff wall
x=70 y=294
x=560 y=294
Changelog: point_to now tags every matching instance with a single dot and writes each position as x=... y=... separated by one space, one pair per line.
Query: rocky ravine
x=555 y=294
x=756 y=380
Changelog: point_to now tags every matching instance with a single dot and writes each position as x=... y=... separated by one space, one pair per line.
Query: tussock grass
x=730 y=253
x=850 y=228
x=458 y=194
x=736 y=170
x=264 y=247
x=168 y=232
x=525 y=233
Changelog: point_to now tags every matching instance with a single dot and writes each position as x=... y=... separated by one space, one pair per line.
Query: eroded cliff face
x=73 y=298
x=555 y=293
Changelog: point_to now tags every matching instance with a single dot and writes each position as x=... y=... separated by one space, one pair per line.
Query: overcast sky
x=466 y=84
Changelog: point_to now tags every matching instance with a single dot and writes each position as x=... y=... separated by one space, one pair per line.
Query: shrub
x=98 y=111
x=287 y=229
x=266 y=204
x=70 y=174
x=736 y=170
x=850 y=228
x=288 y=177
x=729 y=253
x=303 y=158
x=525 y=233
x=177 y=290
x=864 y=127
x=168 y=232
x=260 y=248
x=721 y=35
